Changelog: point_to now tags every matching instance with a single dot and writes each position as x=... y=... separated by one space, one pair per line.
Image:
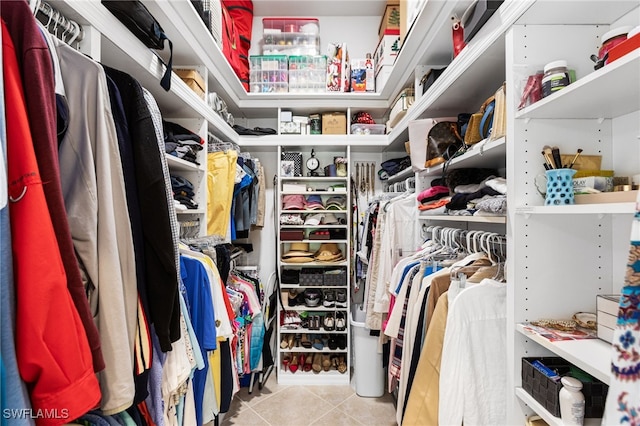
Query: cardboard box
x=363 y=75
x=607 y=197
x=409 y=11
x=387 y=50
x=193 y=79
x=607 y=315
x=390 y=19
x=334 y=123
x=382 y=75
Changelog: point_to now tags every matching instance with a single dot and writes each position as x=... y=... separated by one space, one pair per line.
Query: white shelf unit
x=561 y=257
x=558 y=259
x=311 y=184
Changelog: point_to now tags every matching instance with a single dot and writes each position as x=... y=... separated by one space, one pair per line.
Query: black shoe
x=341 y=298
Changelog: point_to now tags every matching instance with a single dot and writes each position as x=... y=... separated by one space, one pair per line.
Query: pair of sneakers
x=334 y=298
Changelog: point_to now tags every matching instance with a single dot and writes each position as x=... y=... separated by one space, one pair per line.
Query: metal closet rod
x=53 y=16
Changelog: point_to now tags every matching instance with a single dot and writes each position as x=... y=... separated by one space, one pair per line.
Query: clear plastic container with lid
x=556 y=77
x=290 y=36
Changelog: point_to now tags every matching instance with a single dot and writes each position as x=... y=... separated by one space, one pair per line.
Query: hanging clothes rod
x=56 y=23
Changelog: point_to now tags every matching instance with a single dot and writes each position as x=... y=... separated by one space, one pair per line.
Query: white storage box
x=382 y=75
x=387 y=49
x=607 y=315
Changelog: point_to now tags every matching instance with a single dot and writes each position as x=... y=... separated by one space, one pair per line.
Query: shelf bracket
x=527 y=120
x=600 y=216
x=600 y=120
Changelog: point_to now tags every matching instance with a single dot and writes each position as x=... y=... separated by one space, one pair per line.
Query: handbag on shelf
x=137 y=18
x=443 y=141
x=480 y=123
x=499 y=128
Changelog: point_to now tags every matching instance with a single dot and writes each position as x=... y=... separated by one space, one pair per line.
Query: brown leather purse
x=443 y=141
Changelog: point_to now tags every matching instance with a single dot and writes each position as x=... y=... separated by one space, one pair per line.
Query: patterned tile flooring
x=282 y=405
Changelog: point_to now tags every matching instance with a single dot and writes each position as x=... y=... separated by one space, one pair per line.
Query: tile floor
x=282 y=405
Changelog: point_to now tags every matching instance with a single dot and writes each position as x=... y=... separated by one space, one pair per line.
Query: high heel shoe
x=308 y=363
x=293 y=365
x=285 y=362
x=291 y=339
x=342 y=364
x=326 y=362
x=317 y=363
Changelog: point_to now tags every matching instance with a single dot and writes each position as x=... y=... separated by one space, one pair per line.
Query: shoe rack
x=313 y=260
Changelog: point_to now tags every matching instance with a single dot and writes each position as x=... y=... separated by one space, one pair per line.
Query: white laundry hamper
x=368 y=370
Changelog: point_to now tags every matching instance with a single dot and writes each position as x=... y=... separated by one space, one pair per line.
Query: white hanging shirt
x=473 y=373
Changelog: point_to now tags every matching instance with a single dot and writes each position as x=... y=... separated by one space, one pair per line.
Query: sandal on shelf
x=326 y=362
x=317 y=363
x=284 y=343
x=293 y=364
x=304 y=341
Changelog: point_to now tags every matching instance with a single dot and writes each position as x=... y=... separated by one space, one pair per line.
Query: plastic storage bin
x=290 y=36
x=268 y=74
x=369 y=373
x=307 y=74
x=368 y=129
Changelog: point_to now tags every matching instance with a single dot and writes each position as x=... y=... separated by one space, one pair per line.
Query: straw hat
x=298 y=253
x=328 y=252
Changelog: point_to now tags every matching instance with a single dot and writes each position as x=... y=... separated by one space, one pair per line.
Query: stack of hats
x=321 y=219
x=328 y=252
x=298 y=253
x=293 y=202
x=183 y=193
x=337 y=202
x=291 y=219
x=314 y=202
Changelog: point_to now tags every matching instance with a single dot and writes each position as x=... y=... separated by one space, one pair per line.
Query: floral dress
x=623 y=401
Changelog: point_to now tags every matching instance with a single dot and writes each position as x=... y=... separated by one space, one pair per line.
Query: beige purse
x=499 y=128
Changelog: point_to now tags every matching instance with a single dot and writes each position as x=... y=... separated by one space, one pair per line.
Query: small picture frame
x=287 y=168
